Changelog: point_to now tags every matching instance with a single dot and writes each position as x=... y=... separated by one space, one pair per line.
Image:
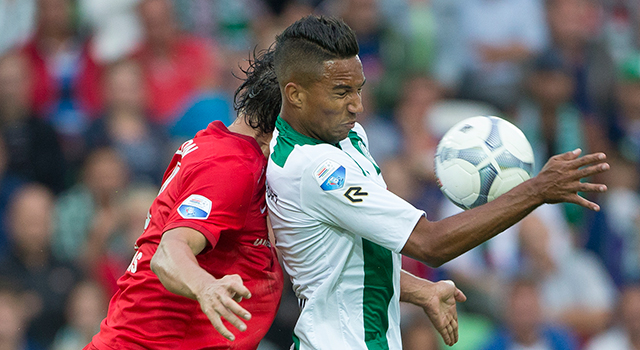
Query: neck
x=289 y=115
x=240 y=126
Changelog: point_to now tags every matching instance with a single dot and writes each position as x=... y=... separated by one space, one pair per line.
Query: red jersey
x=215 y=184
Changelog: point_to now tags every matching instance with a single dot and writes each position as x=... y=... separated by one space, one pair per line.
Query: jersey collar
x=285 y=130
x=219 y=127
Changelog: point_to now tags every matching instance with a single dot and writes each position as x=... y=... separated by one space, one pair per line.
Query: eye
x=342 y=94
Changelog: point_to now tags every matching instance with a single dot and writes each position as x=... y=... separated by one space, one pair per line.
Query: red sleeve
x=214 y=198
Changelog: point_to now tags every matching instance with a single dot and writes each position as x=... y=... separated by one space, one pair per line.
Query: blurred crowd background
x=96 y=95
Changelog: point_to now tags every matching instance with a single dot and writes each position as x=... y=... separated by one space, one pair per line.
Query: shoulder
x=228 y=153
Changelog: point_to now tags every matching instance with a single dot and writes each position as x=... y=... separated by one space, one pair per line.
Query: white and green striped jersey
x=340 y=232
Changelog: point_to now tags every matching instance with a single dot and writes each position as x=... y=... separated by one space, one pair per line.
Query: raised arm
x=176 y=266
x=436 y=242
x=438 y=299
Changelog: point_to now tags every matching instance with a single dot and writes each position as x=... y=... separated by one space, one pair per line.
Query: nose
x=355 y=105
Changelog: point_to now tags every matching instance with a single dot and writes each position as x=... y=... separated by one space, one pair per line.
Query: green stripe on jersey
x=287 y=139
x=296 y=342
x=378 y=290
x=357 y=142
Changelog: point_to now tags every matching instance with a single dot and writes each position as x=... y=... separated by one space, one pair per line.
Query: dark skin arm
x=436 y=242
x=176 y=266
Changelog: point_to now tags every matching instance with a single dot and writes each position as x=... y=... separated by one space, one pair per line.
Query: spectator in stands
x=420 y=93
x=15 y=318
x=85 y=309
x=115 y=257
x=498 y=38
x=88 y=214
x=364 y=17
x=621 y=28
x=176 y=66
x=229 y=21
x=617 y=238
x=550 y=118
x=115 y=26
x=626 y=333
x=125 y=125
x=575 y=29
x=575 y=288
x=31 y=263
x=524 y=323
x=32 y=148
x=65 y=79
x=628 y=114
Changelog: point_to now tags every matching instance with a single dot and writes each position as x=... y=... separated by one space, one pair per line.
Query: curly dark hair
x=258 y=98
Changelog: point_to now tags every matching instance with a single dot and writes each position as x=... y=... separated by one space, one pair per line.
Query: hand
x=559 y=179
x=439 y=303
x=220 y=298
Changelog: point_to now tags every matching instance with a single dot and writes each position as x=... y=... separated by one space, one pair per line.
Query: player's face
x=329 y=111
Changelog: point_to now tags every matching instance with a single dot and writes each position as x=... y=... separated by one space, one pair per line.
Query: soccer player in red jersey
x=205 y=246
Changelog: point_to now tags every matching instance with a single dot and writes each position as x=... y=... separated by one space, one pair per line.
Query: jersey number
x=133 y=267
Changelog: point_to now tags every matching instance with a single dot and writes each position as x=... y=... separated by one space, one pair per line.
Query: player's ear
x=294 y=94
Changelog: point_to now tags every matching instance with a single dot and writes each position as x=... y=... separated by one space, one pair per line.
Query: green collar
x=285 y=130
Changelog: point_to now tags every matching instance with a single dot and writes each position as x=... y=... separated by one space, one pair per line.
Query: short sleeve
x=214 y=197
x=337 y=192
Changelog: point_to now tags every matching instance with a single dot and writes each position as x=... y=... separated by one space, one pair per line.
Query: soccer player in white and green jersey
x=339 y=230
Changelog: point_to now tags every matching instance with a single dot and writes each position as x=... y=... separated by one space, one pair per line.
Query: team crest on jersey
x=330 y=175
x=366 y=153
x=195 y=207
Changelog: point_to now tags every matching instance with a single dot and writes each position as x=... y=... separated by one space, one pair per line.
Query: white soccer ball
x=480 y=158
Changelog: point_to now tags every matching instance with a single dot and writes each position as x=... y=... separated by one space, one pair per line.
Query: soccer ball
x=480 y=158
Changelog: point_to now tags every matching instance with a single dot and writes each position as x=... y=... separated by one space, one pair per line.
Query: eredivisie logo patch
x=330 y=175
x=195 y=207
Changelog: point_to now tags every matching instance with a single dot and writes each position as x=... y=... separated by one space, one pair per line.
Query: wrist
x=534 y=191
x=414 y=288
x=198 y=284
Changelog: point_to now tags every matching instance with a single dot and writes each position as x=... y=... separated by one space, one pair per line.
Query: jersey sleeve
x=213 y=198
x=336 y=191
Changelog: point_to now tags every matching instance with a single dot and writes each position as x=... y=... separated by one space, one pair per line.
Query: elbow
x=432 y=256
x=156 y=262
x=428 y=243
x=434 y=261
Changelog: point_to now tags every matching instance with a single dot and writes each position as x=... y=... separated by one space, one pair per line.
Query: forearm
x=177 y=268
x=438 y=242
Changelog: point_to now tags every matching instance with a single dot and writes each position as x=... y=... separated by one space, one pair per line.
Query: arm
x=438 y=301
x=559 y=181
x=176 y=266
